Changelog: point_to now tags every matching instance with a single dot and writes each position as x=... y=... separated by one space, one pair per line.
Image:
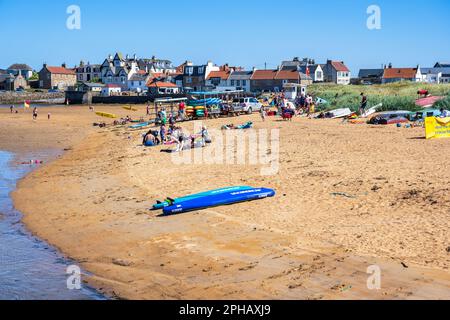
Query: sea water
x=30 y=269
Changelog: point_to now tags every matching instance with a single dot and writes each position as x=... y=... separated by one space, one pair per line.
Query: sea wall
x=76 y=97
x=11 y=97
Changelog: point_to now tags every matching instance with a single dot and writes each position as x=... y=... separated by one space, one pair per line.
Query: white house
x=138 y=82
x=88 y=72
x=111 y=90
x=435 y=75
x=336 y=72
x=119 y=70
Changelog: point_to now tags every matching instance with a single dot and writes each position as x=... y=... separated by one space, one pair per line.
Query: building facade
x=88 y=72
x=336 y=72
x=56 y=77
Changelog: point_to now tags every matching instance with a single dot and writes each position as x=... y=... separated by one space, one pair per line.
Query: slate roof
x=370 y=73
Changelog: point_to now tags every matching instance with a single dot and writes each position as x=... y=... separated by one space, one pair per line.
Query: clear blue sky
x=240 y=32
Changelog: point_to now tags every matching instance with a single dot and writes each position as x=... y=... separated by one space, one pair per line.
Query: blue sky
x=240 y=32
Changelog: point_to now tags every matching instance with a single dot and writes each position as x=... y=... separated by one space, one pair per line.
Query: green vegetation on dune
x=394 y=96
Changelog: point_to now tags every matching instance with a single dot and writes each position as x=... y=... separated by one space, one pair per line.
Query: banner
x=437 y=128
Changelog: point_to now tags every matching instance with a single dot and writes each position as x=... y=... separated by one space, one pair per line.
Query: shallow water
x=30 y=269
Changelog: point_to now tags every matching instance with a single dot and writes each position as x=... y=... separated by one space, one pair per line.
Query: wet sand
x=348 y=196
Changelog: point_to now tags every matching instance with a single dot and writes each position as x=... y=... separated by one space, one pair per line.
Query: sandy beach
x=349 y=196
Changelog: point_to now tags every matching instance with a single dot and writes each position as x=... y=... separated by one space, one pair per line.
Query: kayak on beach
x=129 y=108
x=106 y=115
x=221 y=199
x=168 y=202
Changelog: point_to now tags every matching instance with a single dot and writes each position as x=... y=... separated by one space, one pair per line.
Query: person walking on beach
x=148 y=109
x=12 y=109
x=363 y=107
x=162 y=133
x=263 y=114
x=181 y=108
x=49 y=115
x=35 y=113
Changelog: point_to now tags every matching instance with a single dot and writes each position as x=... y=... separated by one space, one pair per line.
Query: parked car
x=53 y=91
x=20 y=90
x=248 y=105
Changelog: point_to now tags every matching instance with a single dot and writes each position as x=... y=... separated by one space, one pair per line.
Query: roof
x=400 y=73
x=20 y=66
x=339 y=66
x=241 y=75
x=442 y=65
x=264 y=74
x=224 y=75
x=139 y=77
x=160 y=84
x=366 y=73
x=60 y=70
x=435 y=70
x=312 y=68
x=287 y=75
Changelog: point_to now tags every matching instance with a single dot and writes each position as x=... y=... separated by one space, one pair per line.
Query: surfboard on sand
x=340 y=113
x=106 y=115
x=167 y=203
x=226 y=198
x=371 y=111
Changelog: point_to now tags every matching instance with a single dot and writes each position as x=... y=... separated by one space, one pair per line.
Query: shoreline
x=96 y=213
x=24 y=250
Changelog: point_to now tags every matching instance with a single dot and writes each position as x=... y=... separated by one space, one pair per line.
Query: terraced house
x=118 y=70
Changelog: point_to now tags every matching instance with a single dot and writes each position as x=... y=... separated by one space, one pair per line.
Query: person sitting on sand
x=444 y=113
x=149 y=139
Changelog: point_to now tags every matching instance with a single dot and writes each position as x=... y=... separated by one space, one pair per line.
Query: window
x=232 y=82
x=244 y=83
x=201 y=70
x=188 y=80
x=319 y=74
x=238 y=83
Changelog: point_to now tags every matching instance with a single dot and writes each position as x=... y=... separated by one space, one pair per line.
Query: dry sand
x=348 y=196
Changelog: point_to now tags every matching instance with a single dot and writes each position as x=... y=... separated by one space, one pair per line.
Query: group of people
x=174 y=135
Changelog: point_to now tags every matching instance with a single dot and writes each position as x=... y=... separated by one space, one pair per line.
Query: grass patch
x=394 y=96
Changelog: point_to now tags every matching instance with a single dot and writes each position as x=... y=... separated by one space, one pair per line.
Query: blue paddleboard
x=219 y=200
x=164 y=204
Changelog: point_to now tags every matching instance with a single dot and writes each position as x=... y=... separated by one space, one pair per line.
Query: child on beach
x=263 y=114
x=11 y=108
x=162 y=133
x=35 y=113
x=49 y=115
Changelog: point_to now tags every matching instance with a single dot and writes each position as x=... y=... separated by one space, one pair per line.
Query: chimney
x=390 y=65
x=135 y=57
x=45 y=65
x=254 y=69
x=110 y=57
x=63 y=65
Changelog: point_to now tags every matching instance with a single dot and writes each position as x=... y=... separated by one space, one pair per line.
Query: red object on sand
x=428 y=101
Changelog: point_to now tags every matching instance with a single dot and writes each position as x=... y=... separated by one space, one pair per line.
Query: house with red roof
x=391 y=74
x=336 y=72
x=57 y=77
x=161 y=87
